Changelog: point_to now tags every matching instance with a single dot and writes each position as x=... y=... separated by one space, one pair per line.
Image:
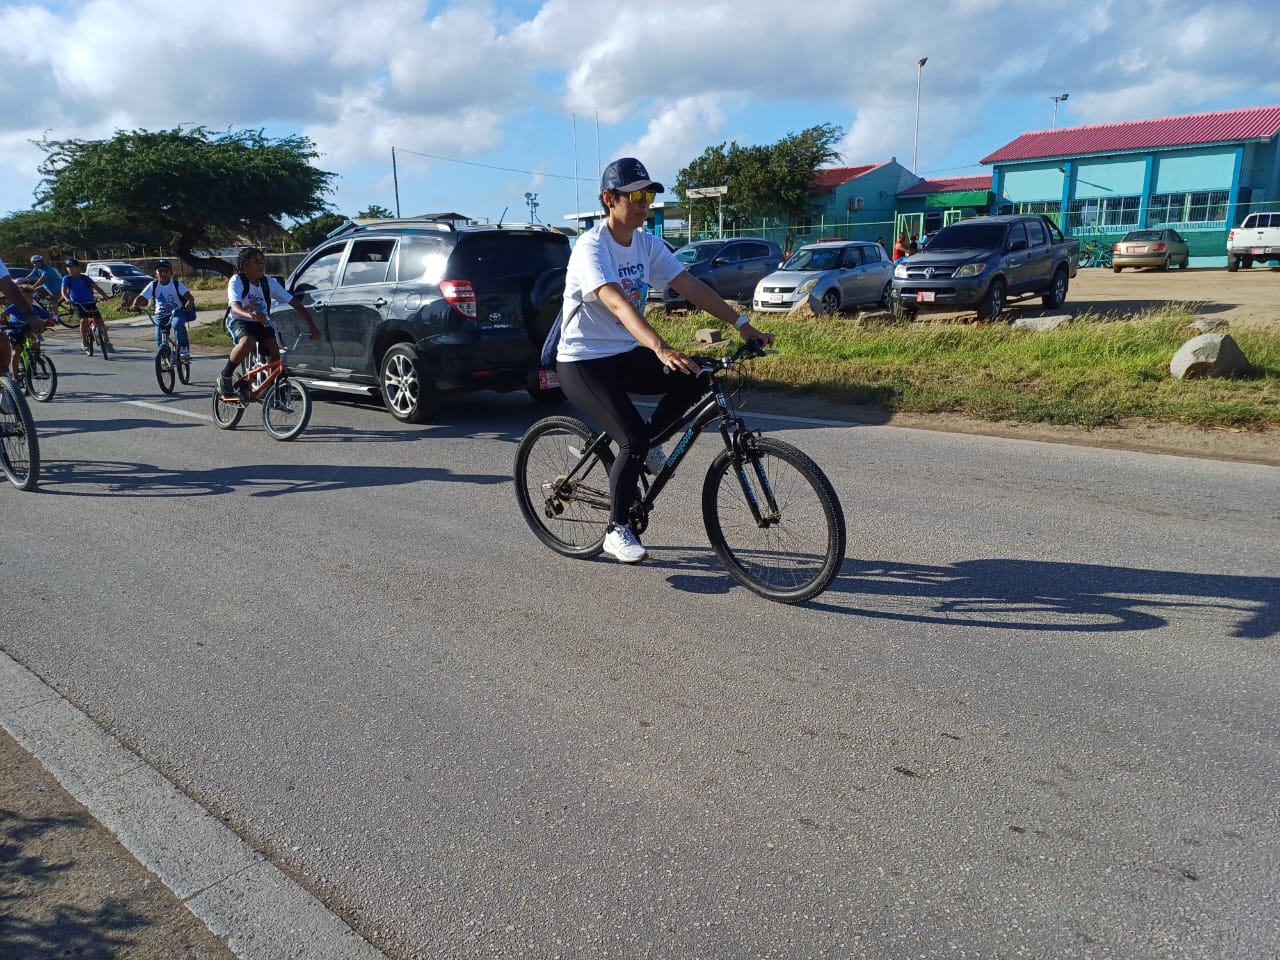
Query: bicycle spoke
x=568 y=510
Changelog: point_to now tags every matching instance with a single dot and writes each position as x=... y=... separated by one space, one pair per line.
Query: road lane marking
x=167 y=408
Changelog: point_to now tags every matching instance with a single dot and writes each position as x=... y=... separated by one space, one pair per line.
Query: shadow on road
x=103 y=478
x=1012 y=594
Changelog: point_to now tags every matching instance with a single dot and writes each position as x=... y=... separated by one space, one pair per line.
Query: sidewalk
x=70 y=888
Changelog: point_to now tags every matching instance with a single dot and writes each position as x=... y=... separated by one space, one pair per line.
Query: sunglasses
x=635 y=196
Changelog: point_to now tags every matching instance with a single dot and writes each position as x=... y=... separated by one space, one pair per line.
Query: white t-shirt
x=591 y=330
x=167 y=297
x=252 y=299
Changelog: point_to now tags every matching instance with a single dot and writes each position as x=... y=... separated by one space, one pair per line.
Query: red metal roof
x=1224 y=126
x=834 y=177
x=949 y=185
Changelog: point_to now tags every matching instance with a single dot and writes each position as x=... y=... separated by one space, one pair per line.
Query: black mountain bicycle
x=772 y=516
x=171 y=365
x=19 y=448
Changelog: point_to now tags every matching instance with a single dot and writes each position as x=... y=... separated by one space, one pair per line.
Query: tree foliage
x=375 y=212
x=199 y=188
x=311 y=232
x=763 y=181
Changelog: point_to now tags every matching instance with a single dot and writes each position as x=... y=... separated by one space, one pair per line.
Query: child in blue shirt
x=79 y=291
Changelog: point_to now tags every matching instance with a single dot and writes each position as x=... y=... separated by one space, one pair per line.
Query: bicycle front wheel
x=568 y=514
x=66 y=316
x=164 y=369
x=286 y=408
x=183 y=366
x=40 y=377
x=794 y=552
x=100 y=333
x=19 y=448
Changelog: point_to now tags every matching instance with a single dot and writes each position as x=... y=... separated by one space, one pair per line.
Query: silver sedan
x=836 y=276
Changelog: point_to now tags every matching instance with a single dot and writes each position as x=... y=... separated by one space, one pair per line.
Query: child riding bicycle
x=175 y=306
x=82 y=293
x=250 y=294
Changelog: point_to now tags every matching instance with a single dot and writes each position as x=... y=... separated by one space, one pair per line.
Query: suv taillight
x=461 y=296
x=1231 y=235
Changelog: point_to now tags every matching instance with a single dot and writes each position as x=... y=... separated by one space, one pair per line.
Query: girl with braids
x=250 y=294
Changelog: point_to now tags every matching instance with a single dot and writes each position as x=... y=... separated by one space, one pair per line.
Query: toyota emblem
x=495 y=317
x=928 y=273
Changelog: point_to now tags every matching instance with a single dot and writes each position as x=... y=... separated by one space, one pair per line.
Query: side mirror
x=719 y=262
x=1017 y=245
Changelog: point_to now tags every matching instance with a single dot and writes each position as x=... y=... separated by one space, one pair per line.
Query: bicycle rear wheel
x=40 y=377
x=797 y=551
x=183 y=366
x=165 y=369
x=19 y=448
x=568 y=515
x=225 y=415
x=286 y=408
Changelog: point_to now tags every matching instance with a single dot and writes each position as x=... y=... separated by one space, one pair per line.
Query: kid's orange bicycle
x=286 y=403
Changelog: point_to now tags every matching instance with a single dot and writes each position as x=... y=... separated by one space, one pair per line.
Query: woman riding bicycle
x=607 y=348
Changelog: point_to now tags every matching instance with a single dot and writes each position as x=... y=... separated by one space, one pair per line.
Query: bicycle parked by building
x=772 y=516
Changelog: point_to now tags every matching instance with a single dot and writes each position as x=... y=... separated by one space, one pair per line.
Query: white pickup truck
x=1258 y=238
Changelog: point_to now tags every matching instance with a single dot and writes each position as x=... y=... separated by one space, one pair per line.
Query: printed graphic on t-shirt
x=636 y=290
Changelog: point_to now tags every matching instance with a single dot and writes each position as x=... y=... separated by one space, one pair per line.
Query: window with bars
x=1104 y=212
x=1200 y=206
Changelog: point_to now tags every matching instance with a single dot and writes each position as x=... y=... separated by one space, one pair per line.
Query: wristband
x=741 y=322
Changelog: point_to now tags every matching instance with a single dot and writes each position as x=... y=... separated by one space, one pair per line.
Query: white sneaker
x=621 y=544
x=656 y=459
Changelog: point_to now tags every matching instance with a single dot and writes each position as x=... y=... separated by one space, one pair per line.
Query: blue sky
x=478 y=97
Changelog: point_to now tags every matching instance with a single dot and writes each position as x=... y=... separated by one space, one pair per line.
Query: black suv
x=417 y=309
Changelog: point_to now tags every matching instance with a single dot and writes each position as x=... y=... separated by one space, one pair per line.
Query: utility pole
x=915 y=143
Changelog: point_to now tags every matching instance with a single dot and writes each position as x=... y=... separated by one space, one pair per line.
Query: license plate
x=775 y=298
x=1260 y=250
x=547 y=379
x=925 y=296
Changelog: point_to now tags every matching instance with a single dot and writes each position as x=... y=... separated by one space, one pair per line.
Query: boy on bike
x=175 y=306
x=21 y=309
x=82 y=293
x=250 y=294
x=45 y=275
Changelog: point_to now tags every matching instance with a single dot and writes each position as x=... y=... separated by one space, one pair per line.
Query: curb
x=259 y=911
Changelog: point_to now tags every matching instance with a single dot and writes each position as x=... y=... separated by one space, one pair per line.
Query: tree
x=311 y=232
x=763 y=181
x=200 y=188
x=375 y=212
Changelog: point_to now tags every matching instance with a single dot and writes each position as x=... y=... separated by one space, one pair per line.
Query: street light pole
x=915 y=143
x=1055 y=108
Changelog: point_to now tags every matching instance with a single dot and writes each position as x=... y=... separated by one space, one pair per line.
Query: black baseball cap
x=72 y=262
x=627 y=174
x=162 y=263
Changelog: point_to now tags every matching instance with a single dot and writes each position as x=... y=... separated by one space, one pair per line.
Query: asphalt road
x=1035 y=716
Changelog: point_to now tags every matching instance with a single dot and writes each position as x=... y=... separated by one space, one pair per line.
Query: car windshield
x=697 y=252
x=126 y=270
x=1142 y=235
x=968 y=236
x=814 y=258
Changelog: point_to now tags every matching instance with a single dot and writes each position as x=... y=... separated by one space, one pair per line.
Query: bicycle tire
x=19 y=447
x=164 y=369
x=183 y=366
x=66 y=316
x=225 y=415
x=571 y=522
x=40 y=377
x=100 y=334
x=793 y=558
x=286 y=408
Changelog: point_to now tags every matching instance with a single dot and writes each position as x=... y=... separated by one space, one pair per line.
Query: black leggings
x=599 y=389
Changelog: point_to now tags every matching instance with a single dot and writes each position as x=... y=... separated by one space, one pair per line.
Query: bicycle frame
x=260 y=377
x=712 y=406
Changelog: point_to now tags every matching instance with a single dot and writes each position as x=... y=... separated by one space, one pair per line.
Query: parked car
x=1258 y=238
x=415 y=310
x=838 y=276
x=982 y=263
x=1150 y=248
x=117 y=278
x=732 y=268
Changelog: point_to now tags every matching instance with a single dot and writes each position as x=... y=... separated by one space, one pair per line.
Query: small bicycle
x=286 y=403
x=171 y=365
x=19 y=447
x=98 y=336
x=36 y=372
x=772 y=516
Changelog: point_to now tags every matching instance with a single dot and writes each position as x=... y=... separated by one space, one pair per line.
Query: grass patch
x=1092 y=372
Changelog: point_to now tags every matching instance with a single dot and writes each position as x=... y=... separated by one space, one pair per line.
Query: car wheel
x=1233 y=264
x=901 y=312
x=1186 y=262
x=406 y=388
x=1116 y=269
x=886 y=296
x=1164 y=267
x=992 y=304
x=1057 y=294
x=830 y=303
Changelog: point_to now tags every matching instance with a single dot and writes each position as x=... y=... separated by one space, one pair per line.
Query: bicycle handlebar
x=749 y=350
